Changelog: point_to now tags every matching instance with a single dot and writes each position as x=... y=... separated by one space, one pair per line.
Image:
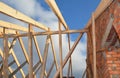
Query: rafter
x=5 y=9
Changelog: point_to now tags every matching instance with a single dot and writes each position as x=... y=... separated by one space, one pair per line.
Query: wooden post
x=94 y=47
x=45 y=57
x=30 y=52
x=60 y=50
x=5 y=55
x=70 y=61
x=54 y=53
x=68 y=55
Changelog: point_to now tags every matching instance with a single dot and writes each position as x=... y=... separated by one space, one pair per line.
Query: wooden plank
x=9 y=68
x=70 y=61
x=60 y=50
x=30 y=48
x=68 y=55
x=45 y=57
x=35 y=68
x=5 y=55
x=11 y=63
x=5 y=9
x=15 y=71
x=109 y=26
x=16 y=60
x=48 y=33
x=12 y=45
x=50 y=70
x=23 y=48
x=12 y=26
x=37 y=48
x=38 y=51
x=8 y=31
x=38 y=68
x=94 y=47
x=54 y=53
x=57 y=12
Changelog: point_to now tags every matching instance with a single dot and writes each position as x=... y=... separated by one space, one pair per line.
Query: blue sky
x=76 y=14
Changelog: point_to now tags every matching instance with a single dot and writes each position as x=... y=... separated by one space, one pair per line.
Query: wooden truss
x=16 y=32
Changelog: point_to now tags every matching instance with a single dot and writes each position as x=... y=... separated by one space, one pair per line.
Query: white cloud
x=33 y=9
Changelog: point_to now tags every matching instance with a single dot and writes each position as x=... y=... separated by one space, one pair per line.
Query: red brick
x=111 y=53
x=114 y=72
x=109 y=62
x=117 y=62
x=117 y=55
x=108 y=55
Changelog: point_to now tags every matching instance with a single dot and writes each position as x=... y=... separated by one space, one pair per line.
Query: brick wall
x=105 y=64
x=108 y=64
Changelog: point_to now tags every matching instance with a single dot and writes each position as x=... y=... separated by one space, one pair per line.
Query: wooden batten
x=8 y=31
x=60 y=50
x=5 y=9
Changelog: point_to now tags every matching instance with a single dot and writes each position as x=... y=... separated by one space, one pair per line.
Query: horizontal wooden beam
x=5 y=9
x=47 y=33
x=12 y=26
x=56 y=10
x=8 y=31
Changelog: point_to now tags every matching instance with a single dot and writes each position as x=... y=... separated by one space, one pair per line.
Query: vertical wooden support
x=94 y=47
x=54 y=54
x=45 y=57
x=70 y=61
x=60 y=49
x=5 y=55
x=30 y=52
x=68 y=55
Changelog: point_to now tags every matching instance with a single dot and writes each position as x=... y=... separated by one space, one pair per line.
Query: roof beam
x=5 y=9
x=8 y=31
x=12 y=26
x=47 y=33
x=57 y=12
